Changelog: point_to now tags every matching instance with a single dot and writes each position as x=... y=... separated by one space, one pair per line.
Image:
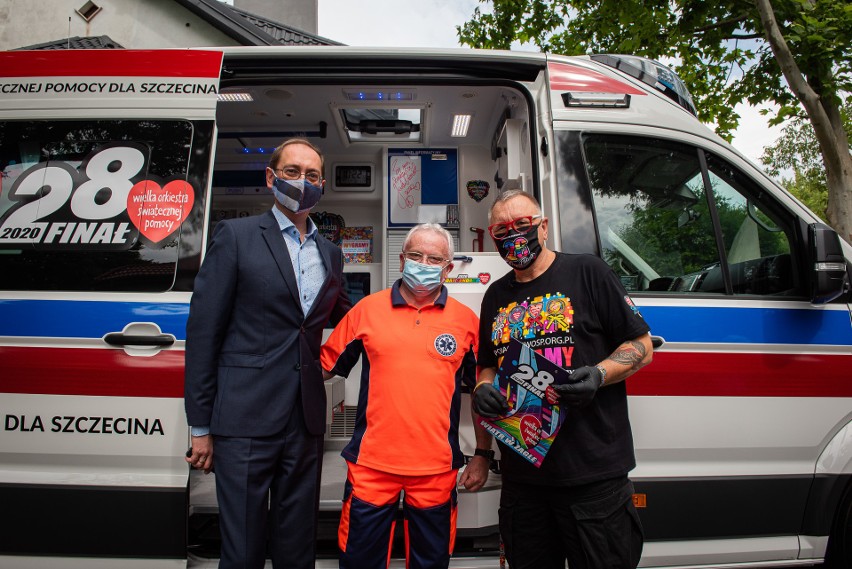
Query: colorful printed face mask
x=518 y=249
x=422 y=279
x=296 y=195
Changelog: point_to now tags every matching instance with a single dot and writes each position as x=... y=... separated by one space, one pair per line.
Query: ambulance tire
x=839 y=552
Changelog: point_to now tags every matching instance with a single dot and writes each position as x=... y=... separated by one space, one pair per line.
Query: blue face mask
x=296 y=195
x=422 y=279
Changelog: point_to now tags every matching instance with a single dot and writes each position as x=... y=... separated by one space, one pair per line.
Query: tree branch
x=725 y=23
x=735 y=20
x=810 y=99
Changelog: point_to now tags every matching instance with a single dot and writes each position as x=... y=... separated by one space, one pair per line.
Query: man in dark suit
x=254 y=390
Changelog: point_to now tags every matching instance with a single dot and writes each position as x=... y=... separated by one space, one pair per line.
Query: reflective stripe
x=87 y=319
x=676 y=322
x=742 y=325
x=107 y=372
x=112 y=63
x=744 y=375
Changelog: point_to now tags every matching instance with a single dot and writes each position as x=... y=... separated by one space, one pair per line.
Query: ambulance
x=117 y=164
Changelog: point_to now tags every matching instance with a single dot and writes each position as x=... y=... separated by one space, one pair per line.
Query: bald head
x=511 y=195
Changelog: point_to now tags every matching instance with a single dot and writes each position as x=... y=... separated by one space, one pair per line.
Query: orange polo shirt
x=414 y=361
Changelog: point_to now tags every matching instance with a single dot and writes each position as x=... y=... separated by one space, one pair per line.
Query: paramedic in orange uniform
x=418 y=346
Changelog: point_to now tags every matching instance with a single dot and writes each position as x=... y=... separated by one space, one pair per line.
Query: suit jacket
x=251 y=354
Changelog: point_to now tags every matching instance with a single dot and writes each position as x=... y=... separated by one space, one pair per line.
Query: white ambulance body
x=117 y=164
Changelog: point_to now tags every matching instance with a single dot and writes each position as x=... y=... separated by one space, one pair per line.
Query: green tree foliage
x=796 y=54
x=675 y=248
x=811 y=191
x=797 y=151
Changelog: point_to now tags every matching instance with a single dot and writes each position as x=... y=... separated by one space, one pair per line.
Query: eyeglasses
x=293 y=173
x=418 y=257
x=521 y=225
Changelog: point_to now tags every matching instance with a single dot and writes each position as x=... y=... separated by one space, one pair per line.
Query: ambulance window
x=98 y=205
x=652 y=213
x=756 y=233
x=657 y=232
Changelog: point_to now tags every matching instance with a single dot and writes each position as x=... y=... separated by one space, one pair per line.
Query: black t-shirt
x=575 y=314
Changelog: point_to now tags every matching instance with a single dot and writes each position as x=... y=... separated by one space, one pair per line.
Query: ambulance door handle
x=122 y=339
x=657 y=341
x=145 y=335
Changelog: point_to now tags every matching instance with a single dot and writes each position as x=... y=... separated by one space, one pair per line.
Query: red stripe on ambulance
x=99 y=372
x=564 y=77
x=691 y=374
x=111 y=63
x=111 y=372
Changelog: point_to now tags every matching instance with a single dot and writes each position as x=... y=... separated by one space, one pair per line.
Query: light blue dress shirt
x=307 y=262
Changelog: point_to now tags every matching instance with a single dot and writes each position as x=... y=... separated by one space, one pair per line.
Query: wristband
x=602 y=369
x=486 y=452
x=478 y=385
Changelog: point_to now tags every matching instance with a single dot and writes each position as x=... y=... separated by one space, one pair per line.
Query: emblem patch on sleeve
x=632 y=306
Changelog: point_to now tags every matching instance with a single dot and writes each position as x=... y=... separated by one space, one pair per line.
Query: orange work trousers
x=370 y=505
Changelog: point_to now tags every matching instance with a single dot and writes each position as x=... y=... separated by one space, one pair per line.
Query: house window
x=88 y=11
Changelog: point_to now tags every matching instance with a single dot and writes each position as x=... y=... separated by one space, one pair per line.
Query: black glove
x=488 y=402
x=585 y=382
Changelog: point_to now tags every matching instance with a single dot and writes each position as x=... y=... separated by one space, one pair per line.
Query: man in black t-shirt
x=573 y=310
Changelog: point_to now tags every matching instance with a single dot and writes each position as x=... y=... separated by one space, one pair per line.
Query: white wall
x=132 y=23
x=475 y=164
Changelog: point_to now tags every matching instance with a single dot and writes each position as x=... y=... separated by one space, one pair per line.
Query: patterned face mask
x=518 y=249
x=296 y=195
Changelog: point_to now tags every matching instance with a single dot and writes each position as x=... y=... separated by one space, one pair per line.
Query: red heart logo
x=484 y=277
x=551 y=395
x=158 y=212
x=530 y=430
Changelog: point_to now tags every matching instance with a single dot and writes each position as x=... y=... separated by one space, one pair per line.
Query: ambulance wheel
x=839 y=552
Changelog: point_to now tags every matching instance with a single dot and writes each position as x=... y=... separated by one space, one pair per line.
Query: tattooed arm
x=627 y=359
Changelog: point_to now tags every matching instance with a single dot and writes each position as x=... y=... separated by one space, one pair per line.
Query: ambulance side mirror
x=830 y=278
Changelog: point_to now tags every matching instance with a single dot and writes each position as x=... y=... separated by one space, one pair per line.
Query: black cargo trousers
x=593 y=526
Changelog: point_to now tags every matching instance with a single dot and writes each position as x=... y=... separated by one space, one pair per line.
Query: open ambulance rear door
x=104 y=158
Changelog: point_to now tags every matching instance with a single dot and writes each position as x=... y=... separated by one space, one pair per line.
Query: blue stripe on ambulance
x=735 y=325
x=740 y=325
x=87 y=319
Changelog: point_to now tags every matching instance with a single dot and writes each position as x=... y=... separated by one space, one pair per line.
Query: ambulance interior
x=364 y=132
x=392 y=159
